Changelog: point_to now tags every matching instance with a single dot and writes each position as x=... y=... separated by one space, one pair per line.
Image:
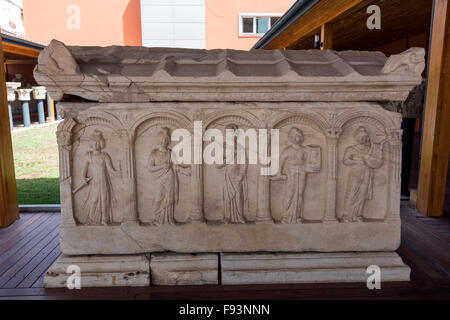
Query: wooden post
x=50 y=109
x=9 y=208
x=436 y=133
x=326 y=36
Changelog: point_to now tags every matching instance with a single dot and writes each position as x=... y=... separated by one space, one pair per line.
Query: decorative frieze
x=336 y=170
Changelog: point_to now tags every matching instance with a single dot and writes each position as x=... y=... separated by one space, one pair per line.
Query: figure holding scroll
x=100 y=195
x=297 y=161
x=363 y=158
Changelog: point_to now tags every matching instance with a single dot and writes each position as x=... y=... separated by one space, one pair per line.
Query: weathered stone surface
x=184 y=269
x=309 y=268
x=11 y=88
x=337 y=188
x=138 y=74
x=24 y=94
x=100 y=271
x=327 y=218
x=39 y=93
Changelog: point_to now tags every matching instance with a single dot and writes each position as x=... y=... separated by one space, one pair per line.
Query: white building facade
x=173 y=23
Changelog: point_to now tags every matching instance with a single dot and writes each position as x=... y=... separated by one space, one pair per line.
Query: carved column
x=24 y=96
x=196 y=213
x=331 y=195
x=263 y=212
x=11 y=94
x=64 y=139
x=395 y=143
x=39 y=94
x=130 y=216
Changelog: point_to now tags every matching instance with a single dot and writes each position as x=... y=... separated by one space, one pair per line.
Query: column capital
x=11 y=88
x=24 y=94
x=333 y=133
x=39 y=92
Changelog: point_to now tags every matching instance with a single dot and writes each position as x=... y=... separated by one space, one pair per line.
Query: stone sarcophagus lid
x=133 y=202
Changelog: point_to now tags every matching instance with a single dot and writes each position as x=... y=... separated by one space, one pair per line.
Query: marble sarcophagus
x=134 y=205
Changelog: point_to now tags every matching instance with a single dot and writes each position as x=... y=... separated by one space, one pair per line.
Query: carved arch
x=160 y=118
x=380 y=122
x=87 y=119
x=100 y=118
x=308 y=119
x=237 y=117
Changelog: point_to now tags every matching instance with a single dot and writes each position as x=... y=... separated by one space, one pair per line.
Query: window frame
x=255 y=16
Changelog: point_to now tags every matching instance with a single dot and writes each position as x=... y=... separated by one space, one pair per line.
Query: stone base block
x=184 y=269
x=310 y=267
x=100 y=271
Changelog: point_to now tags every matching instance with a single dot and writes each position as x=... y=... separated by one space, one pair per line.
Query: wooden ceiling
x=399 y=19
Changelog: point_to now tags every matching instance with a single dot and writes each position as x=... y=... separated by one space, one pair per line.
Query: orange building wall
x=222 y=20
x=103 y=22
x=118 y=22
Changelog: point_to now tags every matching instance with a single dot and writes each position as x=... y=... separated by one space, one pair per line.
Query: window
x=255 y=25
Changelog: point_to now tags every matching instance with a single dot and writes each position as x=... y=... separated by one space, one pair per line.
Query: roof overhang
x=19 y=47
x=348 y=22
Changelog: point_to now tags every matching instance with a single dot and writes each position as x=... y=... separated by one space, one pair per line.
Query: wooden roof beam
x=436 y=134
x=20 y=61
x=9 y=48
x=326 y=36
x=323 y=12
x=9 y=208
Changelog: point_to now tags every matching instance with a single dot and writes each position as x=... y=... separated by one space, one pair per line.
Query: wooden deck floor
x=29 y=247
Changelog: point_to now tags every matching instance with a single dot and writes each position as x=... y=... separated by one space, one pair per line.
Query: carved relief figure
x=234 y=188
x=96 y=173
x=166 y=179
x=297 y=161
x=363 y=157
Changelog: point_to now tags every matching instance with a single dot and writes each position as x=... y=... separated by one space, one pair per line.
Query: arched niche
x=376 y=205
x=145 y=130
x=214 y=177
x=314 y=196
x=82 y=142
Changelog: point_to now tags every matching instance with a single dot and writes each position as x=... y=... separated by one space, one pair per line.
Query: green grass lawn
x=36 y=165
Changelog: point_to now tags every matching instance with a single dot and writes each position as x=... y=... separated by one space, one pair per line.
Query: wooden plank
x=436 y=134
x=22 y=220
x=324 y=11
x=21 y=292
x=399 y=21
x=20 y=61
x=24 y=240
x=37 y=275
x=425 y=252
x=25 y=266
x=12 y=239
x=14 y=49
x=427 y=255
x=16 y=269
x=51 y=108
x=25 y=218
x=326 y=36
x=51 y=258
x=9 y=206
